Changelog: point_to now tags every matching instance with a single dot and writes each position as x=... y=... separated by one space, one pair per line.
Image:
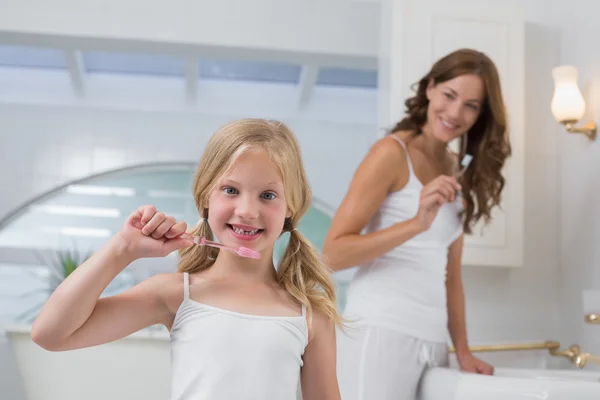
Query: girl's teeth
x=243 y=232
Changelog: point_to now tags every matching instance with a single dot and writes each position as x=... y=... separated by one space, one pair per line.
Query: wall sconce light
x=568 y=105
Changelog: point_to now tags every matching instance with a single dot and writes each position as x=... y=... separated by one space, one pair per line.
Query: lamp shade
x=567 y=101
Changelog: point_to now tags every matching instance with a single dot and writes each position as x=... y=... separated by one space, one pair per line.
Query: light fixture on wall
x=568 y=105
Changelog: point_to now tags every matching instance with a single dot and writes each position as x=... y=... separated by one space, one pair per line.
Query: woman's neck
x=429 y=145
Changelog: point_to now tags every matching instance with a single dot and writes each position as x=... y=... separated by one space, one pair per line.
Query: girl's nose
x=247 y=208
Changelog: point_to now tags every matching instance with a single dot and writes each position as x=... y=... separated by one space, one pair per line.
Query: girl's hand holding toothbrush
x=149 y=233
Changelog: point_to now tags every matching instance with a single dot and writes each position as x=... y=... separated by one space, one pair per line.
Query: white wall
x=580 y=185
x=561 y=280
x=518 y=304
x=52 y=145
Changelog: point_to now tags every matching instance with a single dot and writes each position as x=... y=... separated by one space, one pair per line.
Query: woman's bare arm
x=383 y=168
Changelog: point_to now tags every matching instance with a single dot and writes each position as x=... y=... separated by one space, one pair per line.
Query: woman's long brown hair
x=487 y=140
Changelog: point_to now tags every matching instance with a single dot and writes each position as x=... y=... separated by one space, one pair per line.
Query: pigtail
x=306 y=277
x=197 y=258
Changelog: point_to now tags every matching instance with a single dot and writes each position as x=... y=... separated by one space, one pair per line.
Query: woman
x=403 y=221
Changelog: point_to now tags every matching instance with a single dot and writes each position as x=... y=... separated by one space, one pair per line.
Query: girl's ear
x=289 y=213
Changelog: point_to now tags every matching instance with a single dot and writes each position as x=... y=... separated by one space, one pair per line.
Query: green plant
x=63 y=265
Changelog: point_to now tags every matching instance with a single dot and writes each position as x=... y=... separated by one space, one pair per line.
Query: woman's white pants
x=375 y=363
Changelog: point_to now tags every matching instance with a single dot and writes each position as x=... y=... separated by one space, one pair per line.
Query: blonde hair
x=301 y=272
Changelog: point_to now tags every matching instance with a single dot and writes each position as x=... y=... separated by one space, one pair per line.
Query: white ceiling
x=310 y=48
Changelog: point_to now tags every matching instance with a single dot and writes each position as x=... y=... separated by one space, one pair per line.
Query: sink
x=550 y=374
x=511 y=383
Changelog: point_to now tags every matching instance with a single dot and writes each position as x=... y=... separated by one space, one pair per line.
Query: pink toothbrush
x=241 y=251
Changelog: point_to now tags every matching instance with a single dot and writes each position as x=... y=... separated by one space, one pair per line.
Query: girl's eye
x=230 y=190
x=268 y=196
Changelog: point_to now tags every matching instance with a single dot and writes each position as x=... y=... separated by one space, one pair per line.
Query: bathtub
x=511 y=384
x=136 y=367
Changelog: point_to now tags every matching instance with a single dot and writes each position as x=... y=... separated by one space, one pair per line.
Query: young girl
x=239 y=327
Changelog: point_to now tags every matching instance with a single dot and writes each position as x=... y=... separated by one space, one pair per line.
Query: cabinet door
x=414 y=34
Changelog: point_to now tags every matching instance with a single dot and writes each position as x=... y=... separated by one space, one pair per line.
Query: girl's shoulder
x=258 y=298
x=170 y=287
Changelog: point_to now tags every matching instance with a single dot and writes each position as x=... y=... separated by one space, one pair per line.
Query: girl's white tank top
x=217 y=354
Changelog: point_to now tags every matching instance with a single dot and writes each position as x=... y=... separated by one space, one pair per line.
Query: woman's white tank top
x=405 y=288
x=217 y=354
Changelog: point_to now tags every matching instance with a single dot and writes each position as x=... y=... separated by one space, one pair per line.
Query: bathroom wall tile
x=105 y=159
x=76 y=162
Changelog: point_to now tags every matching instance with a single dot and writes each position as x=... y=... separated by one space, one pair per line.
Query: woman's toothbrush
x=240 y=251
x=464 y=165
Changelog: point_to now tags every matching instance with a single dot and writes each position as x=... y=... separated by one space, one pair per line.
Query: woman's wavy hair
x=301 y=271
x=487 y=140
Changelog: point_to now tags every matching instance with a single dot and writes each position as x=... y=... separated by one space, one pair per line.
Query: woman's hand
x=436 y=193
x=472 y=364
x=149 y=233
